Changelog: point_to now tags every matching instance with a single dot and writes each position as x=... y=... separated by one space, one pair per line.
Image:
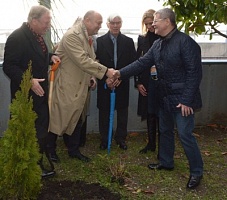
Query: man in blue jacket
x=177 y=58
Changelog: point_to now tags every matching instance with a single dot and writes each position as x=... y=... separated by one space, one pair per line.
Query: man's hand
x=36 y=87
x=109 y=73
x=93 y=83
x=142 y=90
x=112 y=80
x=116 y=74
x=55 y=59
x=113 y=74
x=109 y=83
x=185 y=110
x=116 y=82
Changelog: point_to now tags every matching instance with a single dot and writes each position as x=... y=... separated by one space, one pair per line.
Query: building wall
x=4 y=101
x=213 y=90
x=214 y=96
x=214 y=50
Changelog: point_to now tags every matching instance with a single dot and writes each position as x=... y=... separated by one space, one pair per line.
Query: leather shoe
x=80 y=156
x=103 y=146
x=47 y=174
x=122 y=145
x=54 y=157
x=82 y=144
x=159 y=167
x=193 y=181
x=146 y=148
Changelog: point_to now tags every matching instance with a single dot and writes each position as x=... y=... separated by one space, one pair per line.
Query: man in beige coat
x=72 y=80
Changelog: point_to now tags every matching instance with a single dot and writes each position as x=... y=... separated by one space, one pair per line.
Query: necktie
x=90 y=41
x=39 y=39
x=42 y=43
x=115 y=51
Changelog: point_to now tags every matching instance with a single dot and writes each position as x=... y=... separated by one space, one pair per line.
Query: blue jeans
x=185 y=126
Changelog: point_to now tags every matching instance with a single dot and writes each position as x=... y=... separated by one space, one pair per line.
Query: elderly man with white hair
x=114 y=50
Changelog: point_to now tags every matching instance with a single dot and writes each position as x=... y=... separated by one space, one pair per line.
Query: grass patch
x=140 y=182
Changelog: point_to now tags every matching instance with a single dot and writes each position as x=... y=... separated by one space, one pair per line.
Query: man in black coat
x=27 y=44
x=114 y=50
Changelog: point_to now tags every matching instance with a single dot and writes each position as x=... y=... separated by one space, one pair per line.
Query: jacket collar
x=32 y=38
x=170 y=34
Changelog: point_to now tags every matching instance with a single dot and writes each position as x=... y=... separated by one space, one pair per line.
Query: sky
x=14 y=12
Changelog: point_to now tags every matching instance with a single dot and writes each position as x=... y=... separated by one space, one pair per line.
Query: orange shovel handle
x=55 y=66
x=53 y=69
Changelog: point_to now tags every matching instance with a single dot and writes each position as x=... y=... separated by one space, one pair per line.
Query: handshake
x=113 y=78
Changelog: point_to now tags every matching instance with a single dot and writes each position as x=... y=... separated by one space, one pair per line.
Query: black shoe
x=47 y=174
x=158 y=156
x=146 y=148
x=54 y=157
x=194 y=181
x=159 y=167
x=80 y=156
x=103 y=146
x=122 y=145
x=82 y=144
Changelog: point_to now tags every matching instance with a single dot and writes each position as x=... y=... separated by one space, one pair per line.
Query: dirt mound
x=79 y=190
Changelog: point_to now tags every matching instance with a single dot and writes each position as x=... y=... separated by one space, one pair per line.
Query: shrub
x=20 y=175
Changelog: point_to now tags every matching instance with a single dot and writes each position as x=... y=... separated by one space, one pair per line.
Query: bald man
x=72 y=82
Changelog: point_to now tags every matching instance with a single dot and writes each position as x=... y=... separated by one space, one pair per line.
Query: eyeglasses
x=115 y=23
x=158 y=20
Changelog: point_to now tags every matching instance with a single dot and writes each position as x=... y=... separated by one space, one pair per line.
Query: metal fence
x=213 y=90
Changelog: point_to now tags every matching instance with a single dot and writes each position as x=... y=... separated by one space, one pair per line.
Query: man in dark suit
x=114 y=50
x=27 y=44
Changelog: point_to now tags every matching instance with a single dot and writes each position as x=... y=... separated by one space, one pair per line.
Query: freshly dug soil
x=79 y=190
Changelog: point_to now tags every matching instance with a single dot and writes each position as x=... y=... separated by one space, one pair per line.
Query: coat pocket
x=177 y=88
x=170 y=103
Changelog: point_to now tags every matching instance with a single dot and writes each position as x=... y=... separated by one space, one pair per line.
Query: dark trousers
x=153 y=126
x=43 y=149
x=83 y=133
x=122 y=121
x=72 y=142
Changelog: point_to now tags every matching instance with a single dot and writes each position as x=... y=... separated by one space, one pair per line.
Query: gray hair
x=167 y=13
x=112 y=16
x=36 y=12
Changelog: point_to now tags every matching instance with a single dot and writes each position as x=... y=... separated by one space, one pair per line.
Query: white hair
x=112 y=16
